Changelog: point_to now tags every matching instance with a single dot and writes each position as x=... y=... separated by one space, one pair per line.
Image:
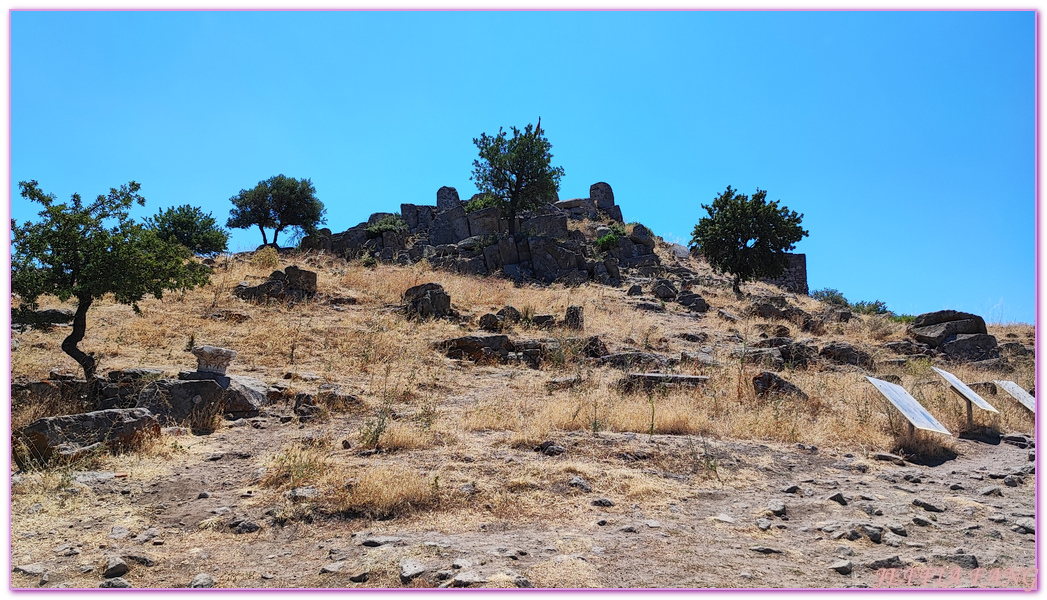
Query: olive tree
x=87 y=250
x=747 y=237
x=277 y=203
x=516 y=170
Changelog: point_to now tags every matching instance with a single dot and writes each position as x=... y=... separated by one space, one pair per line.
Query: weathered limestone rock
x=651 y=381
x=485 y=222
x=602 y=195
x=767 y=383
x=550 y=226
x=846 y=354
x=447 y=198
x=427 y=301
x=449 y=226
x=70 y=436
x=477 y=348
x=575 y=318
x=212 y=359
x=971 y=347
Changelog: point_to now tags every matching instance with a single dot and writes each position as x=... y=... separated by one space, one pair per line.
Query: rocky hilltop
x=543 y=248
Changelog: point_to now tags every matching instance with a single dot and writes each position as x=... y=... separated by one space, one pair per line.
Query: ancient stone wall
x=794 y=279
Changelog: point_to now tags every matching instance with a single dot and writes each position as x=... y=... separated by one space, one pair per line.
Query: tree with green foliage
x=278 y=203
x=190 y=227
x=86 y=251
x=747 y=237
x=516 y=170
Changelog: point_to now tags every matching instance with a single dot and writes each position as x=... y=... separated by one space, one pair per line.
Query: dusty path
x=698 y=532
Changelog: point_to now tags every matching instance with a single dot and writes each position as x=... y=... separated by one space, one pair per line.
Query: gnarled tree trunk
x=69 y=344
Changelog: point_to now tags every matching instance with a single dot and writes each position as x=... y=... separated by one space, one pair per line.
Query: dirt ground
x=697 y=533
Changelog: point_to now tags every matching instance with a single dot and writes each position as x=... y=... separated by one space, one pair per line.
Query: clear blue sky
x=907 y=139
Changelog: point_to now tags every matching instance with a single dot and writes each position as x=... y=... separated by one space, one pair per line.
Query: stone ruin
x=480 y=242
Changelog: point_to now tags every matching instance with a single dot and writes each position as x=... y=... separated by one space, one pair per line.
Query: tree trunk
x=276 y=232
x=736 y=286
x=69 y=344
x=265 y=241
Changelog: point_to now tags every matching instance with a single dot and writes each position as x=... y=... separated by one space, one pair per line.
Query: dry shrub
x=296 y=465
x=564 y=571
x=266 y=258
x=385 y=492
x=406 y=436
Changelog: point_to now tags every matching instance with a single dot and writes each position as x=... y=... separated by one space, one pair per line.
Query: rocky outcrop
x=292 y=284
x=479 y=243
x=72 y=436
x=427 y=301
x=960 y=336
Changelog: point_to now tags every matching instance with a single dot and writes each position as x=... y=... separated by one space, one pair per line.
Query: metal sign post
x=967 y=394
x=1019 y=394
x=910 y=408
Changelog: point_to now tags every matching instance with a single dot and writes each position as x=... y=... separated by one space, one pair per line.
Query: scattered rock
x=927 y=506
x=410 y=569
x=202 y=580
x=777 y=508
x=922 y=522
x=764 y=550
x=763 y=524
x=767 y=383
x=115 y=582
x=33 y=570
x=578 y=482
x=842 y=567
x=374 y=542
x=1025 y=525
x=114 y=567
x=602 y=502
x=839 y=499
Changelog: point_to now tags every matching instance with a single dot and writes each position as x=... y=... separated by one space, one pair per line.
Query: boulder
x=258 y=293
x=70 y=436
x=602 y=195
x=970 y=347
x=476 y=347
x=243 y=395
x=507 y=251
x=767 y=383
x=491 y=322
x=693 y=302
x=846 y=354
x=551 y=225
x=575 y=318
x=770 y=357
x=176 y=401
x=936 y=328
x=449 y=226
x=427 y=301
x=642 y=236
x=652 y=381
x=551 y=260
x=664 y=290
x=447 y=198
x=485 y=222
x=510 y=314
x=630 y=360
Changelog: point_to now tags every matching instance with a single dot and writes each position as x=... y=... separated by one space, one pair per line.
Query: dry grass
x=424 y=410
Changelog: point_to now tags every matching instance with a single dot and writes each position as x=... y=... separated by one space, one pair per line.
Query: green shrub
x=830 y=296
x=608 y=241
x=903 y=318
x=391 y=223
x=876 y=307
x=482 y=201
